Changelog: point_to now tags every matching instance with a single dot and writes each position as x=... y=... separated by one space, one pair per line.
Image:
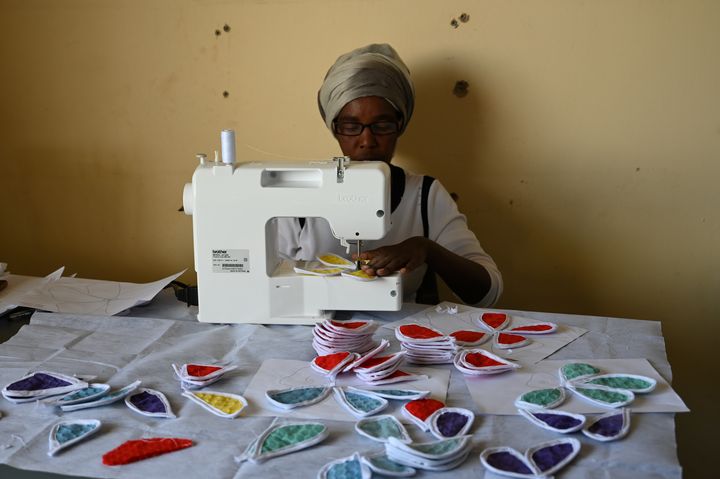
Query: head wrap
x=374 y=70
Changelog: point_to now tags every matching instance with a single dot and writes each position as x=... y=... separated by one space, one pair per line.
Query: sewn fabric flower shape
x=40 y=385
x=221 y=404
x=149 y=402
x=66 y=433
x=610 y=426
x=586 y=381
x=382 y=428
x=360 y=403
x=139 y=449
x=541 y=460
x=381 y=464
x=450 y=422
x=425 y=345
x=419 y=410
x=103 y=400
x=351 y=467
x=92 y=392
x=281 y=439
x=441 y=455
x=297 y=397
x=607 y=390
x=516 y=337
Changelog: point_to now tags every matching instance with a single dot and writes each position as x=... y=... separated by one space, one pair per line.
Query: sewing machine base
x=301 y=299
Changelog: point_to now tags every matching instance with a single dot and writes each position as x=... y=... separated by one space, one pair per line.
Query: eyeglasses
x=351 y=128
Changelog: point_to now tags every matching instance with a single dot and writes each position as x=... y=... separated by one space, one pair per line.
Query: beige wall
x=586 y=154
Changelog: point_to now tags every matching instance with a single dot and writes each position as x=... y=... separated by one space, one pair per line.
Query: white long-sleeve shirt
x=446 y=226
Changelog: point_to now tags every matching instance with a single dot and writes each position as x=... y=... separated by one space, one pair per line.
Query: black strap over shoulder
x=397 y=186
x=427 y=293
x=427 y=182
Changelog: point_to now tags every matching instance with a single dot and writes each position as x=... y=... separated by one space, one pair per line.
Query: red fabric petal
x=494 y=320
x=479 y=360
x=140 y=449
x=375 y=361
x=533 y=327
x=418 y=332
x=329 y=361
x=505 y=338
x=200 y=371
x=467 y=336
x=352 y=325
x=422 y=408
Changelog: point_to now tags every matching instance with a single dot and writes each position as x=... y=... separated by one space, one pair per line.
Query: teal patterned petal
x=347 y=468
x=629 y=382
x=439 y=447
x=576 y=370
x=362 y=402
x=287 y=436
x=68 y=432
x=603 y=396
x=295 y=397
x=381 y=428
x=359 y=403
x=546 y=398
x=382 y=464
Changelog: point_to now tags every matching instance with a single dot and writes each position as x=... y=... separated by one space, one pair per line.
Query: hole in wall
x=461 y=88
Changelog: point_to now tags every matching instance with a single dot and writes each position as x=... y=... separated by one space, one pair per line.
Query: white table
x=121 y=349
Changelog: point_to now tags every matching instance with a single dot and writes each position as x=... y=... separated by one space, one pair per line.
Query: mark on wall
x=461 y=88
x=464 y=18
x=226 y=94
x=226 y=29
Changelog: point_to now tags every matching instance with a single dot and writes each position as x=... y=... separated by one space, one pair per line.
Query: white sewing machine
x=241 y=278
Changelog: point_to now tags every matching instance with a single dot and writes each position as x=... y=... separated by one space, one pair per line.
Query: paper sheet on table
x=496 y=394
x=288 y=373
x=91 y=296
x=19 y=286
x=542 y=345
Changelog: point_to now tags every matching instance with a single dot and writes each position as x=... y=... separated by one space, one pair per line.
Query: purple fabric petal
x=450 y=423
x=37 y=382
x=508 y=462
x=550 y=456
x=607 y=426
x=147 y=402
x=558 y=421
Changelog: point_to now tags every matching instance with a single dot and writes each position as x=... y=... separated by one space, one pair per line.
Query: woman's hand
x=402 y=257
x=469 y=280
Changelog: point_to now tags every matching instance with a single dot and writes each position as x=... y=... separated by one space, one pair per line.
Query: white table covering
x=121 y=349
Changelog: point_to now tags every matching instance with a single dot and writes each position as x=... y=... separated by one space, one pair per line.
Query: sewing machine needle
x=357 y=260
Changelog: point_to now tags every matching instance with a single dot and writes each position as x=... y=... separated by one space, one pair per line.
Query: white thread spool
x=227 y=141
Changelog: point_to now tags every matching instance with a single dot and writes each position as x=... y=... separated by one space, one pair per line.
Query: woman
x=366 y=101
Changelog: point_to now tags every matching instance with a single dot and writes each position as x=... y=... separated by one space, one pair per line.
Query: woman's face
x=368 y=146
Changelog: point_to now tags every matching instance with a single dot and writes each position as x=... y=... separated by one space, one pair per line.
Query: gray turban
x=374 y=70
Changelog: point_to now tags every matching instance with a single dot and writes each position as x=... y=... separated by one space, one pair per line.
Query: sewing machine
x=241 y=277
